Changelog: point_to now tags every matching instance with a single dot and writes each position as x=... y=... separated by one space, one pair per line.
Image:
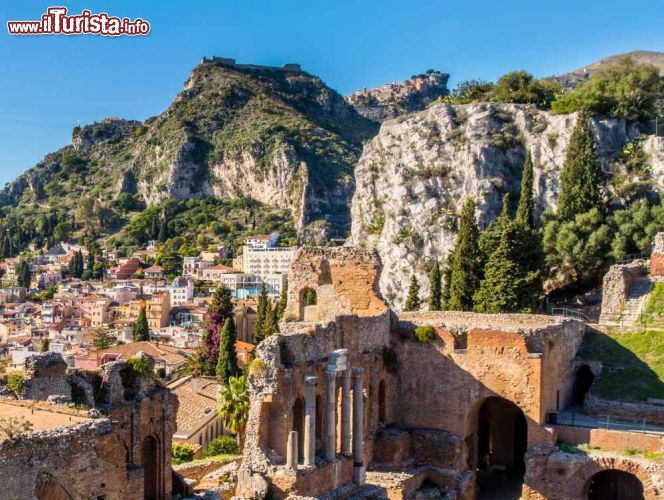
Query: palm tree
x=234 y=406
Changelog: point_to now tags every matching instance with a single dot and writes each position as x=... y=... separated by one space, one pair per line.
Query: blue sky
x=49 y=83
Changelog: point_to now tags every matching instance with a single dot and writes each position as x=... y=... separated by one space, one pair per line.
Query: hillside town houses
x=61 y=313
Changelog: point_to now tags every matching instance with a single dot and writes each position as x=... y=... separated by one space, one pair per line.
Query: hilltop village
x=270 y=291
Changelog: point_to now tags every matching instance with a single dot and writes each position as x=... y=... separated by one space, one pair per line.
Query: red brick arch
x=580 y=481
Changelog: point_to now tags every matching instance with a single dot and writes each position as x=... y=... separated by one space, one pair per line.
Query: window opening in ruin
x=502 y=440
x=308 y=299
x=615 y=484
x=149 y=452
x=298 y=426
x=582 y=382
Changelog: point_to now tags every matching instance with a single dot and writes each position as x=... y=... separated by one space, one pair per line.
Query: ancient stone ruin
x=347 y=402
x=115 y=443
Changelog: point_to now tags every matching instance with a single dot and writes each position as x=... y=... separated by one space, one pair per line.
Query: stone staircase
x=637 y=297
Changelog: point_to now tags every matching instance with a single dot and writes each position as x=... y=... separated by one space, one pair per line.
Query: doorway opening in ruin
x=582 y=382
x=298 y=426
x=614 y=484
x=149 y=457
x=499 y=445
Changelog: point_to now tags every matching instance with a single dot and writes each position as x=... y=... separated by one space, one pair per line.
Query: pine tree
x=413 y=299
x=435 y=292
x=525 y=214
x=581 y=179
x=102 y=339
x=465 y=272
x=261 y=318
x=227 y=364
x=141 y=327
x=219 y=310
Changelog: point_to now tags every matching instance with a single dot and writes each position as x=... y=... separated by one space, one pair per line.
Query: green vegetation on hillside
x=624 y=89
x=653 y=313
x=632 y=364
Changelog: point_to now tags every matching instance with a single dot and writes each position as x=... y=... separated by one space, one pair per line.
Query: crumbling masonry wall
x=123 y=451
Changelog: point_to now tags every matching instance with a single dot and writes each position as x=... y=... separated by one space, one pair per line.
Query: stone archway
x=613 y=484
x=497 y=440
x=580 y=483
x=150 y=463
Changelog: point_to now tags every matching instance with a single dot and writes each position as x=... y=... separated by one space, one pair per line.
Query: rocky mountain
x=278 y=135
x=413 y=176
x=573 y=78
x=399 y=98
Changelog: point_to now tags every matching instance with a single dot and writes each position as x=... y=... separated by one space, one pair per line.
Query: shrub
x=425 y=334
x=14 y=426
x=15 y=381
x=139 y=367
x=182 y=453
x=223 y=445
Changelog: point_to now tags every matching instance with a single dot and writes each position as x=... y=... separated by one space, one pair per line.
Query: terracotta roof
x=154 y=269
x=244 y=346
x=221 y=267
x=162 y=352
x=195 y=407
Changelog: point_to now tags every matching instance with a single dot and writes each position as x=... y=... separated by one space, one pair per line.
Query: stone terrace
x=42 y=416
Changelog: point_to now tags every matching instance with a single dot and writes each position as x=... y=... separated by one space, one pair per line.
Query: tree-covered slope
x=279 y=136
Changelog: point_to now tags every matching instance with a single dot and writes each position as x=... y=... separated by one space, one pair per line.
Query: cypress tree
x=447 y=273
x=227 y=364
x=490 y=238
x=219 y=310
x=413 y=299
x=498 y=291
x=280 y=309
x=261 y=318
x=581 y=179
x=525 y=214
x=464 y=273
x=435 y=292
x=141 y=327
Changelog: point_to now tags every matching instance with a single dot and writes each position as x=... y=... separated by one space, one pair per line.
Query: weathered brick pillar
x=331 y=403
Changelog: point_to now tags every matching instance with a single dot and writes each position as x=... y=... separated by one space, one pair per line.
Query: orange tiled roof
x=195 y=407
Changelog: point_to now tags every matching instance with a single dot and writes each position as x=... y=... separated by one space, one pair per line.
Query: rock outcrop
x=413 y=177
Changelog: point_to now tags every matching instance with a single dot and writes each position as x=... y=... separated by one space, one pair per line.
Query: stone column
x=309 y=451
x=331 y=401
x=358 y=427
x=292 y=451
x=346 y=446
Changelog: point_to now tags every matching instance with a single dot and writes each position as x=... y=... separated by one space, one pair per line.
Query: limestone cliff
x=413 y=176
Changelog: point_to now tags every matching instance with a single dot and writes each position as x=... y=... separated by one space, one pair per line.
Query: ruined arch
x=614 y=484
x=497 y=440
x=581 y=481
x=48 y=488
x=308 y=300
x=150 y=463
